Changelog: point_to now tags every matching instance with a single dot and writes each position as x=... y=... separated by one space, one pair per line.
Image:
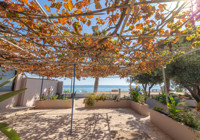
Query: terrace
x=77 y=39
x=87 y=124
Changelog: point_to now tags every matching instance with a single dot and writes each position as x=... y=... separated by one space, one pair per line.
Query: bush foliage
x=92 y=98
x=183 y=115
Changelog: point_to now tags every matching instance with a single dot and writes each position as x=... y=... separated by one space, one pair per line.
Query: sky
x=102 y=81
x=90 y=81
x=86 y=81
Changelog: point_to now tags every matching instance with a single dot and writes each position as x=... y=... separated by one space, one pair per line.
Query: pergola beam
x=97 y=12
x=95 y=36
x=89 y=52
x=126 y=18
x=42 y=10
x=16 y=46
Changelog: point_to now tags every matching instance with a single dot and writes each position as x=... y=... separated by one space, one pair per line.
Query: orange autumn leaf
x=139 y=26
x=47 y=8
x=88 y=23
x=160 y=6
x=82 y=19
x=68 y=5
x=87 y=2
x=25 y=1
x=79 y=5
x=176 y=39
x=97 y=4
x=89 y=16
x=147 y=22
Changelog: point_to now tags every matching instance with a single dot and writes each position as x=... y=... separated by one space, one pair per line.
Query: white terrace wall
x=32 y=93
x=12 y=101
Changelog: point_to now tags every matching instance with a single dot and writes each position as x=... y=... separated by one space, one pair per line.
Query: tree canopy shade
x=48 y=44
x=149 y=79
x=186 y=72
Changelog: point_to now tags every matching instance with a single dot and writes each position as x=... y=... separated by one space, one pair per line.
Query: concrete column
x=60 y=87
x=21 y=95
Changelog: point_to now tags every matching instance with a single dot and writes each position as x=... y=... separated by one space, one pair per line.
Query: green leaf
x=4 y=83
x=10 y=94
x=2 y=125
x=10 y=133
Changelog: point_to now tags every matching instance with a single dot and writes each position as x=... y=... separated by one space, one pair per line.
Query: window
x=6 y=75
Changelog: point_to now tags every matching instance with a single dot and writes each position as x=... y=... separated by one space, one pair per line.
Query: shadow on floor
x=39 y=126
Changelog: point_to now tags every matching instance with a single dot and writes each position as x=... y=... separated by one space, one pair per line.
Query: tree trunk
x=168 y=83
x=149 y=93
x=144 y=88
x=195 y=91
x=96 y=84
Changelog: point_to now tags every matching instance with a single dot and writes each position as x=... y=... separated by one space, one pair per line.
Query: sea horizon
x=90 y=88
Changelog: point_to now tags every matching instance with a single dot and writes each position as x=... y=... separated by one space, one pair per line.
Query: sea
x=90 y=88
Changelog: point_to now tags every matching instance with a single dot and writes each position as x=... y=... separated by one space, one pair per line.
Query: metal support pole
x=71 y=85
x=41 y=87
x=73 y=98
x=165 y=84
x=130 y=85
x=119 y=94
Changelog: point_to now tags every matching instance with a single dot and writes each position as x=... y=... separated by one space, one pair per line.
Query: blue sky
x=90 y=81
x=102 y=81
x=86 y=81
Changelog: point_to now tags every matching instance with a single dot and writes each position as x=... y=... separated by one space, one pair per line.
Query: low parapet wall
x=142 y=109
x=53 y=104
x=174 y=129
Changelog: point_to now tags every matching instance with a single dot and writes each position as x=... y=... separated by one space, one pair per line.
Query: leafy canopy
x=133 y=31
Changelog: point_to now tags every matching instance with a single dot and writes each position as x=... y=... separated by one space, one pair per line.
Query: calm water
x=90 y=88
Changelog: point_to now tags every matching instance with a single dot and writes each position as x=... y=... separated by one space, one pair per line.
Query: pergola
x=100 y=38
x=132 y=37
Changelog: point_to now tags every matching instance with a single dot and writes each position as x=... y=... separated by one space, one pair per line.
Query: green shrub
x=54 y=97
x=92 y=97
x=161 y=98
x=66 y=91
x=198 y=106
x=114 y=97
x=143 y=97
x=90 y=100
x=156 y=108
x=43 y=97
x=172 y=107
x=189 y=118
x=65 y=97
x=135 y=95
x=185 y=115
x=102 y=97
